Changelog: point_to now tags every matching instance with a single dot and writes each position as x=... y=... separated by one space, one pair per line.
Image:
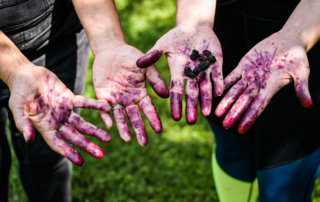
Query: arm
x=193 y=32
x=116 y=77
x=270 y=65
x=39 y=99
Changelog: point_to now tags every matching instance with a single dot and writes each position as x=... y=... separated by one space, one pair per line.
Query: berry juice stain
x=258 y=69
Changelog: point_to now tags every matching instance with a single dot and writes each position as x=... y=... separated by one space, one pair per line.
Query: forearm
x=304 y=23
x=11 y=59
x=101 y=21
x=195 y=12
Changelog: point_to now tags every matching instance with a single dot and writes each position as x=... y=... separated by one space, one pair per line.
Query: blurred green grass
x=175 y=165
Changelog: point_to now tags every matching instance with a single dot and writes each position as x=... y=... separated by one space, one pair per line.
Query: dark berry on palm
x=201 y=58
x=207 y=53
x=203 y=65
x=212 y=59
x=194 y=55
x=189 y=72
x=196 y=71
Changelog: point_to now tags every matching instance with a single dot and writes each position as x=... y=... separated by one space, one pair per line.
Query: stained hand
x=261 y=73
x=38 y=98
x=178 y=44
x=118 y=80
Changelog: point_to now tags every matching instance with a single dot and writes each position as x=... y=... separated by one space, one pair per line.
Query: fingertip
x=29 y=135
x=107 y=119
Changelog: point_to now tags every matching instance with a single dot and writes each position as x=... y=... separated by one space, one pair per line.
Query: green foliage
x=175 y=165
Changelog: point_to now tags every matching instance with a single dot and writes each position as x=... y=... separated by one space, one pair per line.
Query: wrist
x=11 y=59
x=200 y=12
x=108 y=45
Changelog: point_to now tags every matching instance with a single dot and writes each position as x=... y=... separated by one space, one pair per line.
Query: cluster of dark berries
x=205 y=59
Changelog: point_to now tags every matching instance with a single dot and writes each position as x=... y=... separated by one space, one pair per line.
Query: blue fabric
x=290 y=182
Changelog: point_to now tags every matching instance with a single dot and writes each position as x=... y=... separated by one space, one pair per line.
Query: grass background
x=175 y=165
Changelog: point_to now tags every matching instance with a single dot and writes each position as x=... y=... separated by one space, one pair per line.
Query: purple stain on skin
x=259 y=69
x=87 y=128
x=192 y=102
x=149 y=110
x=149 y=59
x=176 y=99
x=137 y=124
x=127 y=97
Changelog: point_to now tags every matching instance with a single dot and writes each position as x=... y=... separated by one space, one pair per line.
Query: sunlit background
x=175 y=165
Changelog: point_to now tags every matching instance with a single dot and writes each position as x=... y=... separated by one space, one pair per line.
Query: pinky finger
x=106 y=118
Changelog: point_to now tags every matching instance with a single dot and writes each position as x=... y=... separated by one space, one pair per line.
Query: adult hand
x=38 y=98
x=178 y=44
x=261 y=73
x=118 y=80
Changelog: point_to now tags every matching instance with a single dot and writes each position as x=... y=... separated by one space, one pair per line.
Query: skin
x=38 y=99
x=118 y=80
x=271 y=64
x=193 y=31
x=116 y=77
x=178 y=44
x=266 y=68
x=47 y=105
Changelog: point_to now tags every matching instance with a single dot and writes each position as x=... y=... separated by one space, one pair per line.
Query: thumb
x=152 y=56
x=301 y=86
x=22 y=122
x=302 y=91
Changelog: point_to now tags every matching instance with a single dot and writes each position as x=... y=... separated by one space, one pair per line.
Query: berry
x=211 y=59
x=203 y=65
x=196 y=71
x=207 y=53
x=201 y=58
x=194 y=55
x=189 y=73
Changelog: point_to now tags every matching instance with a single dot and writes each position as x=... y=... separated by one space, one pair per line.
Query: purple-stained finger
x=57 y=143
x=239 y=107
x=217 y=78
x=229 y=98
x=233 y=77
x=150 y=112
x=302 y=92
x=149 y=58
x=176 y=93
x=206 y=96
x=122 y=125
x=137 y=124
x=192 y=93
x=83 y=102
x=80 y=124
x=75 y=138
x=107 y=119
x=156 y=82
x=256 y=108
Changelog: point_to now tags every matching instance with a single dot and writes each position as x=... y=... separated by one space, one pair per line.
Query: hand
x=178 y=44
x=39 y=98
x=262 y=72
x=118 y=80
